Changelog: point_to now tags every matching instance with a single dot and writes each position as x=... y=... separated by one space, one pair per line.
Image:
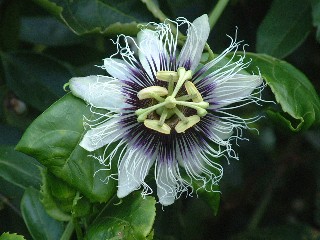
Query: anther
x=183 y=76
x=152 y=92
x=192 y=90
x=167 y=76
x=154 y=125
x=183 y=126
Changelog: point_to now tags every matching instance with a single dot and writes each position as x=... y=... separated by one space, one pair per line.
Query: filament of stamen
x=143 y=112
x=157 y=97
x=192 y=90
x=186 y=97
x=183 y=76
x=180 y=115
x=163 y=117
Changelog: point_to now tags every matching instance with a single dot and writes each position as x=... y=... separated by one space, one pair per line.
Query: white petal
x=102 y=135
x=99 y=91
x=166 y=184
x=134 y=167
x=220 y=130
x=197 y=36
x=150 y=51
x=233 y=89
x=117 y=68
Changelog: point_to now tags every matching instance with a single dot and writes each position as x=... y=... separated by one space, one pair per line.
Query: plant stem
x=157 y=13
x=77 y=227
x=216 y=12
x=68 y=231
x=104 y=208
x=154 y=9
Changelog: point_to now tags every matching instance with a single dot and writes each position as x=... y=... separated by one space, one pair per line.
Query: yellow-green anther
x=192 y=90
x=201 y=112
x=154 y=125
x=167 y=76
x=152 y=92
x=183 y=126
x=183 y=76
x=192 y=104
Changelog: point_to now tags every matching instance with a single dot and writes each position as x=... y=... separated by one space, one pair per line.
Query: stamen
x=186 y=97
x=182 y=126
x=170 y=87
x=163 y=117
x=183 y=76
x=200 y=107
x=192 y=104
x=143 y=112
x=167 y=76
x=154 y=125
x=192 y=90
x=157 y=97
x=152 y=92
x=167 y=107
x=180 y=115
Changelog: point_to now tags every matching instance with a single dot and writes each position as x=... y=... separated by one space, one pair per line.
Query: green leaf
x=37 y=79
x=315 y=4
x=54 y=34
x=40 y=225
x=292 y=89
x=11 y=236
x=103 y=16
x=284 y=28
x=53 y=139
x=131 y=219
x=49 y=202
x=19 y=169
x=61 y=200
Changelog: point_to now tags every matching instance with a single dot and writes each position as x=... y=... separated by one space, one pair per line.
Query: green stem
x=77 y=227
x=216 y=12
x=154 y=9
x=157 y=13
x=104 y=208
x=51 y=7
x=68 y=231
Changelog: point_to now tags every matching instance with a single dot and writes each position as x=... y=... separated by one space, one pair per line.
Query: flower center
x=171 y=106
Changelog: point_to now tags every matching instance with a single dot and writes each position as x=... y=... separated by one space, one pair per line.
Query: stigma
x=170 y=106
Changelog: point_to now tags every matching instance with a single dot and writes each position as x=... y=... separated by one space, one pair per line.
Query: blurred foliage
x=273 y=192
